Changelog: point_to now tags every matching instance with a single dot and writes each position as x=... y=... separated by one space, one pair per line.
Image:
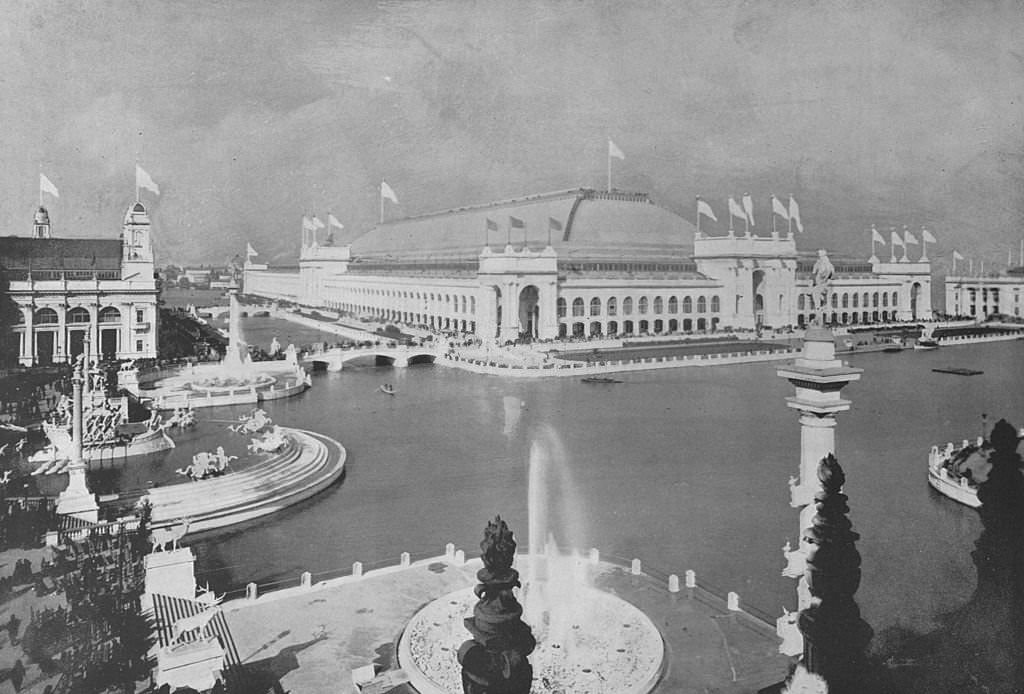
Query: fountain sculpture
x=587 y=640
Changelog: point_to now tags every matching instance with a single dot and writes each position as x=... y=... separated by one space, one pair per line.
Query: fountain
x=587 y=640
x=236 y=380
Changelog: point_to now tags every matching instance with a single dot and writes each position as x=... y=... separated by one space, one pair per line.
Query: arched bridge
x=335 y=357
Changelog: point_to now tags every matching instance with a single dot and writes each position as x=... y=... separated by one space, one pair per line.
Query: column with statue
x=76 y=500
x=495 y=659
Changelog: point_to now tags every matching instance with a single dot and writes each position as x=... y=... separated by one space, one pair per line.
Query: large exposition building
x=74 y=295
x=583 y=262
x=982 y=296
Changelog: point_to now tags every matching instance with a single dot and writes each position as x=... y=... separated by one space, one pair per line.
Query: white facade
x=980 y=297
x=68 y=310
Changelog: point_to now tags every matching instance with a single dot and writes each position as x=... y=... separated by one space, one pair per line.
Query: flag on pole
x=491 y=225
x=554 y=224
x=516 y=223
x=779 y=209
x=333 y=221
x=957 y=256
x=144 y=180
x=386 y=193
x=794 y=214
x=748 y=208
x=910 y=238
x=735 y=210
x=927 y=236
x=46 y=186
x=614 y=151
x=897 y=241
x=877 y=237
x=705 y=209
x=249 y=250
x=318 y=224
x=307 y=224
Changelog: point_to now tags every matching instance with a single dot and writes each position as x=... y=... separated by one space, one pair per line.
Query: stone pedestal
x=76 y=500
x=198 y=664
x=170 y=573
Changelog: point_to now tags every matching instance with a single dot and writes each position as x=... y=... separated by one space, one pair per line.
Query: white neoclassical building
x=982 y=296
x=583 y=262
x=82 y=294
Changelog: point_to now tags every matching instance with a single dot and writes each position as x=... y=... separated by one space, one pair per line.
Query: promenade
x=310 y=639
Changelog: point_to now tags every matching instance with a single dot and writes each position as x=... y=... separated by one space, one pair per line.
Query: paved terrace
x=309 y=639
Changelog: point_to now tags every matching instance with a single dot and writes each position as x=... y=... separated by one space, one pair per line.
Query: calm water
x=684 y=468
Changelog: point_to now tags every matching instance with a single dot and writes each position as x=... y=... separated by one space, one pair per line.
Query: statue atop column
x=495 y=660
x=822 y=274
x=835 y=636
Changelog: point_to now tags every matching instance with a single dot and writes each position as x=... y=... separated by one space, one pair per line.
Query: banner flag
x=554 y=224
x=927 y=236
x=897 y=240
x=957 y=256
x=614 y=151
x=516 y=223
x=144 y=180
x=333 y=221
x=779 y=209
x=249 y=250
x=877 y=237
x=794 y=214
x=318 y=224
x=386 y=193
x=910 y=238
x=705 y=209
x=748 y=208
x=735 y=210
x=46 y=186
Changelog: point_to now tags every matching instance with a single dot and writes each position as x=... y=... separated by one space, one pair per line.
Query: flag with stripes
x=748 y=208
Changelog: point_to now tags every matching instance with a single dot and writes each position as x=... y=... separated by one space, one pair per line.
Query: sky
x=250 y=114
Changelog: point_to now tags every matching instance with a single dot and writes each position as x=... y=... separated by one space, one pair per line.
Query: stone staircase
x=308 y=464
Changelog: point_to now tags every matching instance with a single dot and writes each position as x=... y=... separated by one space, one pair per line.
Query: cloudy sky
x=250 y=114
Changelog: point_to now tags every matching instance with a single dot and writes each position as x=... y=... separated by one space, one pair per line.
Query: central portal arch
x=529 y=311
x=757 y=278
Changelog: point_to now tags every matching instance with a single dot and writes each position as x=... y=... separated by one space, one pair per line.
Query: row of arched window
x=643 y=305
x=78 y=314
x=853 y=300
x=428 y=302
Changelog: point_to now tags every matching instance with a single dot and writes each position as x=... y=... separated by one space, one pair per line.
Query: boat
x=893 y=348
x=958 y=371
x=387 y=389
x=926 y=344
x=599 y=379
x=950 y=471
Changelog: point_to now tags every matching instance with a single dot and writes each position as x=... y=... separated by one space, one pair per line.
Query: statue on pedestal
x=822 y=274
x=495 y=660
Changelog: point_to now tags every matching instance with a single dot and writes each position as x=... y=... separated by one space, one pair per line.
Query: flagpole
x=954 y=263
x=698 y=215
x=487 y=234
x=774 y=232
x=381 y=191
x=609 y=170
x=790 y=211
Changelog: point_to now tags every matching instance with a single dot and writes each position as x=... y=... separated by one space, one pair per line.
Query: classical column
x=76 y=500
x=28 y=351
x=819 y=379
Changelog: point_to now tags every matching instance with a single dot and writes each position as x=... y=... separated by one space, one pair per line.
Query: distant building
x=77 y=294
x=583 y=262
x=980 y=297
x=197 y=277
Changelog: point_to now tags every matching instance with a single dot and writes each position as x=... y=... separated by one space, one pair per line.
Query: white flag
x=779 y=209
x=614 y=151
x=794 y=214
x=307 y=224
x=748 y=207
x=386 y=193
x=705 y=209
x=877 y=237
x=249 y=250
x=735 y=210
x=333 y=221
x=144 y=180
x=318 y=224
x=927 y=236
x=46 y=186
x=896 y=240
x=910 y=238
x=957 y=256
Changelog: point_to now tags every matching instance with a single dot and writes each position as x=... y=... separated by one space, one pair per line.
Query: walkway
x=310 y=639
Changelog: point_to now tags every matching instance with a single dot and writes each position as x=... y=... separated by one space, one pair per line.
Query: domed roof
x=583 y=223
x=136 y=214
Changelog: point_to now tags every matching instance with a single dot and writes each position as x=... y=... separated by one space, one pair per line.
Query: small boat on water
x=387 y=389
x=951 y=471
x=926 y=344
x=892 y=348
x=958 y=371
x=599 y=379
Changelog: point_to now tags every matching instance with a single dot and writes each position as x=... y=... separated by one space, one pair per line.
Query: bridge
x=333 y=359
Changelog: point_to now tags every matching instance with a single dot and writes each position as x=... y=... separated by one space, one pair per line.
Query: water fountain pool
x=588 y=640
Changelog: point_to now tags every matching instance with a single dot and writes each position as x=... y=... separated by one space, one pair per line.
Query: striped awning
x=167 y=610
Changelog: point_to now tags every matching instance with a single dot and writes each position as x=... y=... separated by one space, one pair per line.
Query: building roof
x=26 y=253
x=594 y=224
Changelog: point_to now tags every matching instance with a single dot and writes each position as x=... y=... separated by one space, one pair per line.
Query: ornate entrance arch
x=529 y=311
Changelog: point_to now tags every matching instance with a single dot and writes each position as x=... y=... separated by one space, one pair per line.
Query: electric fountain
x=236 y=380
x=587 y=640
